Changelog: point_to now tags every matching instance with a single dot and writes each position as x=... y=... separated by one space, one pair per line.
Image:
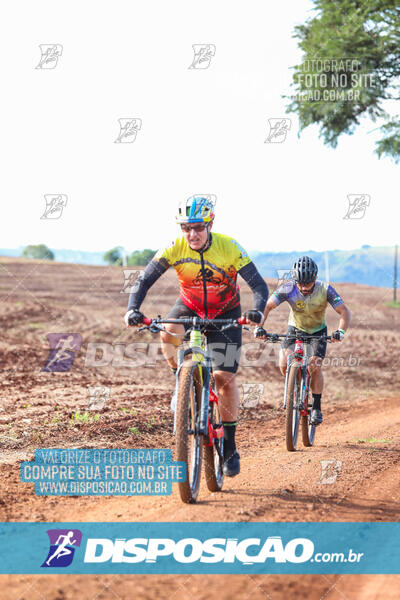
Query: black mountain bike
x=198 y=426
x=296 y=399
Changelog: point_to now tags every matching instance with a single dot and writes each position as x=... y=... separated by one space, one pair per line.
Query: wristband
x=342 y=331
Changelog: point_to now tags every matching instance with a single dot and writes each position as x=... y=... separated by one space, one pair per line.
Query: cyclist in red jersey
x=207 y=265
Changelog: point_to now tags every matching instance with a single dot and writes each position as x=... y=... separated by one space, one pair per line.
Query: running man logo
x=131 y=280
x=285 y=275
x=330 y=469
x=98 y=396
x=63 y=347
x=357 y=205
x=203 y=54
x=55 y=203
x=251 y=394
x=128 y=129
x=50 y=53
x=278 y=129
x=61 y=551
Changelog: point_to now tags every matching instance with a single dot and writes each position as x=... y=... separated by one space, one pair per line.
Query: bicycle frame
x=299 y=356
x=198 y=350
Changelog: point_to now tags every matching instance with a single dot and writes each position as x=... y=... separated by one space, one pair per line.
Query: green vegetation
x=137 y=258
x=372 y=440
x=130 y=411
x=134 y=430
x=369 y=32
x=393 y=304
x=39 y=251
x=151 y=422
x=79 y=418
x=113 y=256
x=141 y=257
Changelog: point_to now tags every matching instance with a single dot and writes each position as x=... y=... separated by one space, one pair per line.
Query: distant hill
x=368 y=265
x=70 y=256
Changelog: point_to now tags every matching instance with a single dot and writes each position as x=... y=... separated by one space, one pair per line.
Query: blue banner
x=214 y=548
x=102 y=472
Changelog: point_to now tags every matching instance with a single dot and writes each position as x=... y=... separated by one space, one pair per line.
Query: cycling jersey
x=207 y=279
x=307 y=313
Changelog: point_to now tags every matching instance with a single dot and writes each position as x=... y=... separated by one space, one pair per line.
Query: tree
x=367 y=32
x=38 y=251
x=113 y=256
x=137 y=258
x=141 y=257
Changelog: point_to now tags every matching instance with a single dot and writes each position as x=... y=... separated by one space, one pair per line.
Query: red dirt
x=361 y=428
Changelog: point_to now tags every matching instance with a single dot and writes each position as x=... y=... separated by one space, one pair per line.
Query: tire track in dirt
x=274 y=485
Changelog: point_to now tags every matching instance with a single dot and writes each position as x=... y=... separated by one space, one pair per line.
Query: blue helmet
x=197 y=209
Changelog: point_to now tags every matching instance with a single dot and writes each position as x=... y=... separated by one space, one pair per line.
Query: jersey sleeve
x=165 y=255
x=333 y=297
x=254 y=280
x=281 y=294
x=241 y=257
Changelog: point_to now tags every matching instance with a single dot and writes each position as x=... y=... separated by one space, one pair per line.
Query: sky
x=202 y=130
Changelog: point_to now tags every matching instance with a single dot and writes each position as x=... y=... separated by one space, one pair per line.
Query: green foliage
x=113 y=256
x=141 y=257
x=372 y=440
x=79 y=418
x=134 y=430
x=368 y=32
x=129 y=411
x=38 y=251
x=392 y=304
x=137 y=258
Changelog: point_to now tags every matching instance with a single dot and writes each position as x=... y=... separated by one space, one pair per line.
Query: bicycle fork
x=204 y=364
x=290 y=364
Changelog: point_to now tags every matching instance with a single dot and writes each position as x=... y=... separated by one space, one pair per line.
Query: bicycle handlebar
x=195 y=320
x=274 y=337
x=154 y=324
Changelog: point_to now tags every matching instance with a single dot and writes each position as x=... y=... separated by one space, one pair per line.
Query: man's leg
x=170 y=343
x=317 y=386
x=228 y=403
x=228 y=395
x=283 y=354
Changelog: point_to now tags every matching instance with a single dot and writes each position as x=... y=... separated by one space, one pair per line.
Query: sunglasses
x=198 y=228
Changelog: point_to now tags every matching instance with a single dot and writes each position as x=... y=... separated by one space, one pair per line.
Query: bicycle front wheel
x=214 y=453
x=307 y=430
x=188 y=442
x=292 y=411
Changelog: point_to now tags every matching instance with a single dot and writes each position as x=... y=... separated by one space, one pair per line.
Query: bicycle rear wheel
x=214 y=454
x=307 y=430
x=188 y=442
x=292 y=413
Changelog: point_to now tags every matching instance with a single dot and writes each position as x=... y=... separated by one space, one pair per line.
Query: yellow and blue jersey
x=307 y=313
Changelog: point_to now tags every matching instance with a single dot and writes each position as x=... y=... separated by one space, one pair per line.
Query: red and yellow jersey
x=207 y=279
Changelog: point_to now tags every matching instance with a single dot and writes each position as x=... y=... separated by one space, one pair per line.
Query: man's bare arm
x=268 y=307
x=344 y=313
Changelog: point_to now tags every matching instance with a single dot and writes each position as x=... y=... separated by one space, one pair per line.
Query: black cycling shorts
x=224 y=346
x=318 y=347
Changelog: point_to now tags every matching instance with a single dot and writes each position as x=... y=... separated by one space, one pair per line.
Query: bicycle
x=297 y=386
x=197 y=420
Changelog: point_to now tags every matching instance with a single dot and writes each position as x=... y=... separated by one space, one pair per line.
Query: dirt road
x=361 y=431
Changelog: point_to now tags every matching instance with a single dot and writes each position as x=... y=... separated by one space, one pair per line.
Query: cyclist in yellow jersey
x=308 y=300
x=207 y=265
